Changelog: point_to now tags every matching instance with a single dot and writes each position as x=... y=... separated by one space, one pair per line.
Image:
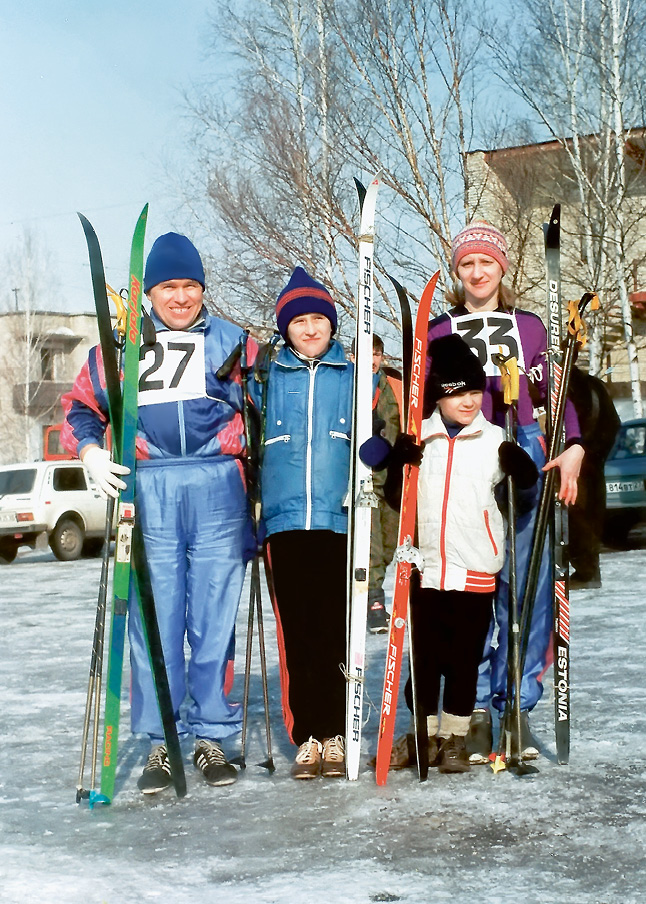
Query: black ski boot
x=529 y=747
x=479 y=740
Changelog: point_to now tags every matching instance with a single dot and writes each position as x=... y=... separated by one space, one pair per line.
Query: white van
x=55 y=500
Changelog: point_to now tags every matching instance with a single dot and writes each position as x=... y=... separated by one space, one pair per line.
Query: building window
x=47 y=359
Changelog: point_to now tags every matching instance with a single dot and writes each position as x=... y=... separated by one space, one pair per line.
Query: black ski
x=559 y=519
x=575 y=337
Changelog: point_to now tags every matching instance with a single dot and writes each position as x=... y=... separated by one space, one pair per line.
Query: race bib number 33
x=172 y=369
x=486 y=333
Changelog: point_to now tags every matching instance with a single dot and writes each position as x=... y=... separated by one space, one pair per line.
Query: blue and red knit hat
x=303 y=295
x=479 y=238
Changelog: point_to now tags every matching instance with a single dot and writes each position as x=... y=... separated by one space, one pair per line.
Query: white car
x=55 y=500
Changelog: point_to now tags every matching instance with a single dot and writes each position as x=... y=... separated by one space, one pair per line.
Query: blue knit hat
x=173 y=256
x=303 y=295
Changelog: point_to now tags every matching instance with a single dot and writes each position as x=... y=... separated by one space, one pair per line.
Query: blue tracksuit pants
x=194 y=517
x=492 y=674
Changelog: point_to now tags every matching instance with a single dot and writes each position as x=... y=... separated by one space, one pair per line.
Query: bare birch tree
x=417 y=68
x=272 y=160
x=574 y=62
x=325 y=90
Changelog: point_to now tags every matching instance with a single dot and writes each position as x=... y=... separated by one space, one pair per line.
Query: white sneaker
x=333 y=764
x=308 y=760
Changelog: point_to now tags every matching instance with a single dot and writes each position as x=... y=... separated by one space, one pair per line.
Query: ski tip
x=361 y=191
x=398 y=286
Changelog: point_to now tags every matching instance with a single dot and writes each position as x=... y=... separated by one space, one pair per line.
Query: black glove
x=405 y=452
x=516 y=463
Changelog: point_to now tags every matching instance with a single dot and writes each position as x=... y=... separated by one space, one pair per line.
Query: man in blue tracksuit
x=191 y=501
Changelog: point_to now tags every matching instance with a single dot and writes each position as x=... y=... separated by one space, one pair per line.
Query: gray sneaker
x=156 y=776
x=210 y=760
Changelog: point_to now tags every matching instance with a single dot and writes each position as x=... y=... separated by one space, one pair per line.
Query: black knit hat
x=454 y=368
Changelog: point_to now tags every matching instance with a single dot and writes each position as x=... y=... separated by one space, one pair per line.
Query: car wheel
x=93 y=547
x=8 y=553
x=66 y=540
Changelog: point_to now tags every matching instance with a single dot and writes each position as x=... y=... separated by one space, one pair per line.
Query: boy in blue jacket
x=304 y=481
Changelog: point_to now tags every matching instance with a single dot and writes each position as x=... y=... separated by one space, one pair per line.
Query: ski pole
x=509 y=381
x=576 y=335
x=263 y=375
x=93 y=699
x=255 y=604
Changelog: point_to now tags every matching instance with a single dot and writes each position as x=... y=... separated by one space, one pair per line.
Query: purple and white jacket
x=521 y=334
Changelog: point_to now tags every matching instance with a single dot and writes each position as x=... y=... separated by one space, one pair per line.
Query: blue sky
x=92 y=111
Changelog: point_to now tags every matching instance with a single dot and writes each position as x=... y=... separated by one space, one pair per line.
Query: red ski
x=406 y=554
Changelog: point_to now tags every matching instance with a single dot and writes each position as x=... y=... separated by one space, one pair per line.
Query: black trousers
x=449 y=628
x=309 y=577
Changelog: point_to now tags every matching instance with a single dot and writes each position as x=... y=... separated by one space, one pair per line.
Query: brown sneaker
x=333 y=764
x=308 y=760
x=402 y=755
x=453 y=756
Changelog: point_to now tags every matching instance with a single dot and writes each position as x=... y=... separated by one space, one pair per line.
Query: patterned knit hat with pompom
x=479 y=238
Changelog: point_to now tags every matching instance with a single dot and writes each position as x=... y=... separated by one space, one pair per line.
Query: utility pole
x=15 y=293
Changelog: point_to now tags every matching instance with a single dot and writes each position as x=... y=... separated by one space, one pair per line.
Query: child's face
x=461 y=407
x=310 y=334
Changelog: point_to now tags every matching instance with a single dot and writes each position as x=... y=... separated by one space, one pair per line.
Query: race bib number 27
x=172 y=369
x=486 y=334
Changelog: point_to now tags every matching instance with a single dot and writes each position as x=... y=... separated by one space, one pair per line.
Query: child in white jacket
x=461 y=536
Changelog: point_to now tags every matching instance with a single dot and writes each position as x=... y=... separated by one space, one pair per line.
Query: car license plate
x=6 y=517
x=625 y=486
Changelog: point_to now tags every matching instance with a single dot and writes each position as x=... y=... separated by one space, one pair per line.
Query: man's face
x=377 y=358
x=177 y=302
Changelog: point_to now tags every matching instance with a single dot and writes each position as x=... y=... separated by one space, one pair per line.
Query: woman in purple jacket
x=484 y=316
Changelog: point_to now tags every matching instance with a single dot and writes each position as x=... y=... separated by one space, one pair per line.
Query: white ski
x=361 y=498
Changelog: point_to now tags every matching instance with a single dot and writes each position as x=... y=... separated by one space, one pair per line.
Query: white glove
x=104 y=471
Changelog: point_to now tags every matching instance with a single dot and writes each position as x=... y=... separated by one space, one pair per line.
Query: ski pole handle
x=509 y=376
x=225 y=369
x=120 y=305
x=576 y=325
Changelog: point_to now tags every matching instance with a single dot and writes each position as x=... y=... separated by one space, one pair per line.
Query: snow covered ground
x=572 y=833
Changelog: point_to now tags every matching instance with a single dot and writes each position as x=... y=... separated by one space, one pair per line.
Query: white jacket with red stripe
x=461 y=529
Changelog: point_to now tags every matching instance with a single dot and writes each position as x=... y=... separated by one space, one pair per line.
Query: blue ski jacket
x=185 y=411
x=306 y=452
